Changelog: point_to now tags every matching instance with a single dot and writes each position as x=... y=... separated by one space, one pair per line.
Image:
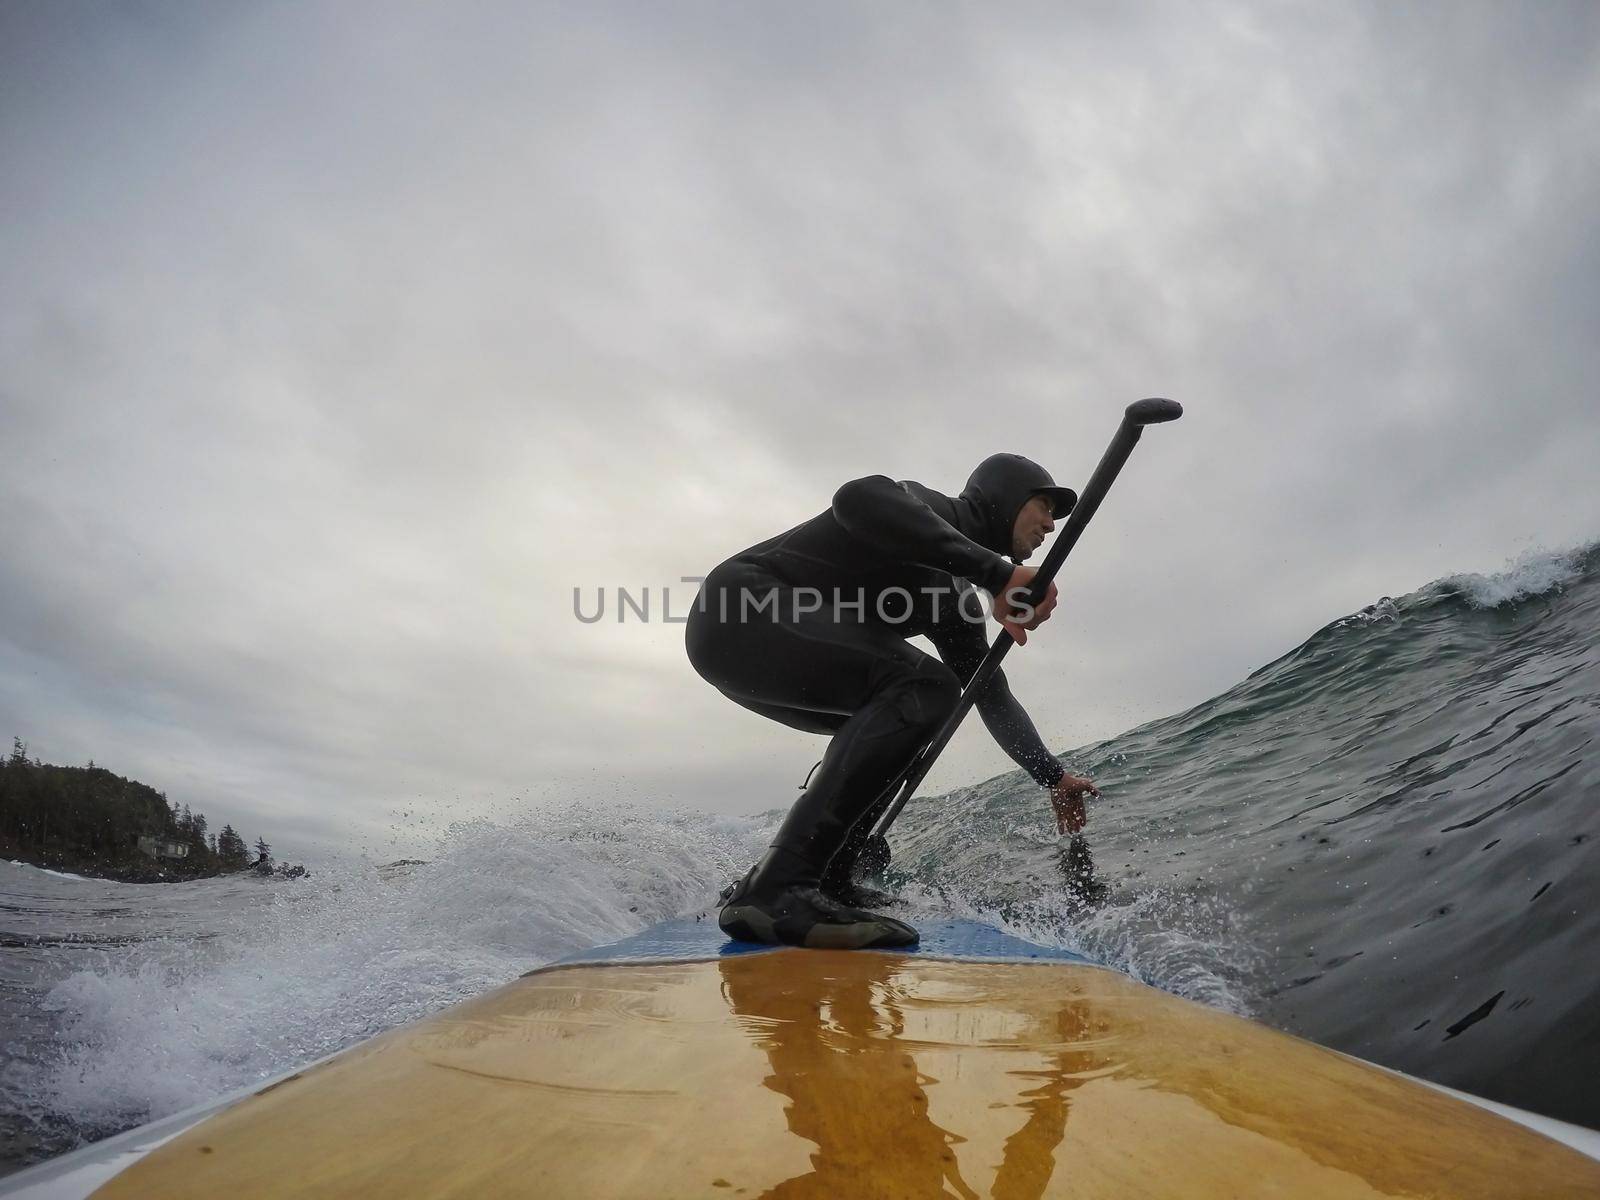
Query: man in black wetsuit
x=810 y=628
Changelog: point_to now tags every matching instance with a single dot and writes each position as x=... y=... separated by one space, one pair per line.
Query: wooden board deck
x=834 y=1074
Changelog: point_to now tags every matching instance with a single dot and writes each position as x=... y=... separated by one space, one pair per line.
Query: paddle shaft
x=1138 y=415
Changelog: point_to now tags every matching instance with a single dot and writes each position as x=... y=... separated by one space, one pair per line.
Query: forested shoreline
x=90 y=821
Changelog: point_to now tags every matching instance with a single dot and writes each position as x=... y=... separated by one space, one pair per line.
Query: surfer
x=809 y=628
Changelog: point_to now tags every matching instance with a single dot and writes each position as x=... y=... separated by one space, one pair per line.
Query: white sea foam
x=162 y=1025
x=1531 y=573
x=1384 y=610
x=1174 y=940
x=45 y=870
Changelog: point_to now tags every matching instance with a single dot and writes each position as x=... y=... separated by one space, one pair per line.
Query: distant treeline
x=90 y=821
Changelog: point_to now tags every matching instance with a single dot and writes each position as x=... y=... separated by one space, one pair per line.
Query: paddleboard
x=676 y=1063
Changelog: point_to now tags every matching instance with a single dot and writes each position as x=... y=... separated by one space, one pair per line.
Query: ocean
x=1386 y=841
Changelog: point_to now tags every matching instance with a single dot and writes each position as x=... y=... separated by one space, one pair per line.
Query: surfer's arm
x=960 y=644
x=889 y=518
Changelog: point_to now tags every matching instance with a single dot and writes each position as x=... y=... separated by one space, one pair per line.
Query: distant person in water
x=810 y=627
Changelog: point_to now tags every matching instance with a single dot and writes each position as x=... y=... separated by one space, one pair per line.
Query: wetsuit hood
x=1001 y=485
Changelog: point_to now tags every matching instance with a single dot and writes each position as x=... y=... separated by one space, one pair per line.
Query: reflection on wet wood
x=834 y=1074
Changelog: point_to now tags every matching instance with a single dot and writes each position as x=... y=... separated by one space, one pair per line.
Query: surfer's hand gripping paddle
x=1139 y=414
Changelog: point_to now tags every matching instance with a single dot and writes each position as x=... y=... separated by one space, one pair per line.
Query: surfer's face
x=1033 y=523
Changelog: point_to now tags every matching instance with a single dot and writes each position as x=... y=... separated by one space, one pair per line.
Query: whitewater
x=1384 y=840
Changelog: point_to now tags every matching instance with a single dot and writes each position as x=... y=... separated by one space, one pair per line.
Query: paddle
x=1139 y=414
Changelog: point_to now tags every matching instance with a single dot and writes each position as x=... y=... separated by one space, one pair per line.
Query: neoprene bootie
x=779 y=903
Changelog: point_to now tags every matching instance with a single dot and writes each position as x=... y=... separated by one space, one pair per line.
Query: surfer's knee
x=927 y=695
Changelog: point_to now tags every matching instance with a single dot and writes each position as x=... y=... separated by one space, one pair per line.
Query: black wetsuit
x=810 y=627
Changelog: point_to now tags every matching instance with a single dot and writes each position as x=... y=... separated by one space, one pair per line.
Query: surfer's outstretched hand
x=1017 y=617
x=1066 y=797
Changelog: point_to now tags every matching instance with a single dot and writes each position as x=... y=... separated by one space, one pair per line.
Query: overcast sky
x=339 y=343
